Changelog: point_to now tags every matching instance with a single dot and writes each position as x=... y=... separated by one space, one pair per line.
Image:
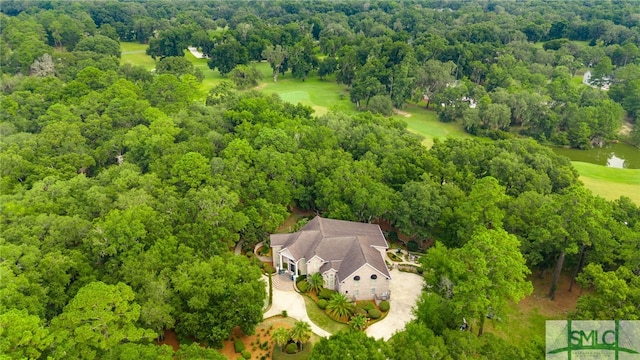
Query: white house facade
x=349 y=255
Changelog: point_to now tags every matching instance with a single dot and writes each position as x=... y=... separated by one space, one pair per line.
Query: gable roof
x=344 y=245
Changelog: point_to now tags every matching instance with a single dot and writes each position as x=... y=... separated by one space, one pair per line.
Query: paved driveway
x=405 y=291
x=294 y=304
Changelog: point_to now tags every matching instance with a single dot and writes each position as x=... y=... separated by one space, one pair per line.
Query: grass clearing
x=321 y=95
x=426 y=124
x=135 y=54
x=320 y=318
x=525 y=321
x=608 y=182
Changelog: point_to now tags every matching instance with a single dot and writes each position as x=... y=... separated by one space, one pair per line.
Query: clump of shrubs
x=413 y=246
x=291 y=348
x=374 y=313
x=367 y=305
x=303 y=286
x=246 y=354
x=322 y=304
x=268 y=269
x=326 y=294
x=359 y=311
x=384 y=306
x=238 y=345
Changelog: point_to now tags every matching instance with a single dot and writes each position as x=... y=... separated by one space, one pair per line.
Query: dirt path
x=401 y=113
x=626 y=128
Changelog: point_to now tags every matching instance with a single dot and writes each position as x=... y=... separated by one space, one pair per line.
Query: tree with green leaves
x=22 y=335
x=601 y=71
x=280 y=337
x=171 y=42
x=245 y=76
x=616 y=294
x=227 y=55
x=178 y=66
x=349 y=345
x=275 y=56
x=96 y=320
x=481 y=277
x=216 y=295
x=300 y=333
x=417 y=341
x=432 y=78
x=195 y=351
x=99 y=44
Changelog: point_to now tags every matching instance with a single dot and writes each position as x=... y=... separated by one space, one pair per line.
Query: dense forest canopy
x=128 y=189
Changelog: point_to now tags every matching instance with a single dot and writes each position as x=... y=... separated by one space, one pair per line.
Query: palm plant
x=339 y=306
x=316 y=282
x=358 y=322
x=280 y=337
x=300 y=333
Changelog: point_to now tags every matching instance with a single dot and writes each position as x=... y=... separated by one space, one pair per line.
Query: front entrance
x=292 y=268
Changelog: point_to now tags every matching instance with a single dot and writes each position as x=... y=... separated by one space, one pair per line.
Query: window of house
x=373 y=291
x=356 y=280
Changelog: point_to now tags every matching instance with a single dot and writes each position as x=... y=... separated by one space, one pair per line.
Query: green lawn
x=608 y=182
x=321 y=95
x=134 y=53
x=321 y=319
x=425 y=123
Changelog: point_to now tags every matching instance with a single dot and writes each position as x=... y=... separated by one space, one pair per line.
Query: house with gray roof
x=349 y=255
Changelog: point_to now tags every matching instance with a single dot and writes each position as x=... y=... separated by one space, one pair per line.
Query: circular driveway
x=405 y=292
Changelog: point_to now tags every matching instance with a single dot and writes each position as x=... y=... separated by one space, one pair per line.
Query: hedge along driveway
x=405 y=292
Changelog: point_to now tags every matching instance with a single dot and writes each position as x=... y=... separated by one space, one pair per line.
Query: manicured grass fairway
x=134 y=53
x=321 y=95
x=426 y=124
x=610 y=183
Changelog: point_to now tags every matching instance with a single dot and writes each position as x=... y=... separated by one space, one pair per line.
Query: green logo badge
x=589 y=339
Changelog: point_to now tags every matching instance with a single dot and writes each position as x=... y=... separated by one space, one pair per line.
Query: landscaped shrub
x=326 y=294
x=412 y=246
x=291 y=348
x=360 y=311
x=384 y=305
x=374 y=314
x=238 y=345
x=303 y=286
x=367 y=305
x=322 y=304
x=246 y=354
x=301 y=278
x=268 y=269
x=394 y=257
